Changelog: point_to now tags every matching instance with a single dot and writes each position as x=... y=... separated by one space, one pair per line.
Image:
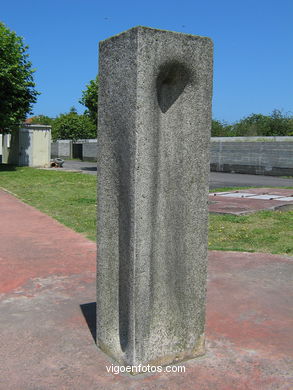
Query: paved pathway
x=47 y=321
x=217 y=179
x=220 y=180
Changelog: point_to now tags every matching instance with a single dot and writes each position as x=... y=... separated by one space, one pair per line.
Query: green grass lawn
x=71 y=199
x=264 y=231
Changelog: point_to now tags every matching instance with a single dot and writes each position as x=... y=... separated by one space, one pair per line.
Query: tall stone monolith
x=154 y=128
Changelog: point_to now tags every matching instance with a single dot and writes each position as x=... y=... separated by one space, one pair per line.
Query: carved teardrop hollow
x=171 y=82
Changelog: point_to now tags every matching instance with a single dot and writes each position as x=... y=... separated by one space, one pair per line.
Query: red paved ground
x=47 y=315
x=238 y=206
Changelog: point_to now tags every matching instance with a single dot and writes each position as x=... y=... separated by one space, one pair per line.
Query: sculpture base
x=171 y=359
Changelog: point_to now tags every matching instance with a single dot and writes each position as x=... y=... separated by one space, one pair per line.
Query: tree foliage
x=42 y=120
x=90 y=99
x=276 y=124
x=73 y=126
x=221 y=129
x=17 y=93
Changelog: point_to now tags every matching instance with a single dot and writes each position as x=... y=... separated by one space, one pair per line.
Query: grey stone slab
x=285 y=199
x=154 y=125
x=253 y=196
x=266 y=197
x=218 y=193
x=237 y=195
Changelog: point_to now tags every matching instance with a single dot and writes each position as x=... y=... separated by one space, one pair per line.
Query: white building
x=29 y=146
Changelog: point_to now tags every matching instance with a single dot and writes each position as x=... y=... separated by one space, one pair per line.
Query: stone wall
x=254 y=155
x=89 y=150
x=65 y=149
x=62 y=149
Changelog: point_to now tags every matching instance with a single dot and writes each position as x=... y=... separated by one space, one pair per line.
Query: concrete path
x=220 y=180
x=83 y=166
x=217 y=179
x=47 y=322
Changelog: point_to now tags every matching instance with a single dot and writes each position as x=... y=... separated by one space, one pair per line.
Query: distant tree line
x=72 y=125
x=276 y=124
x=18 y=94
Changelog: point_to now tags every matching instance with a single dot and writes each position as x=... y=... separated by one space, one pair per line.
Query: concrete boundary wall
x=85 y=149
x=89 y=151
x=62 y=149
x=253 y=155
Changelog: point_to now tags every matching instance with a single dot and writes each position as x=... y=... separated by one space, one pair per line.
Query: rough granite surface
x=154 y=131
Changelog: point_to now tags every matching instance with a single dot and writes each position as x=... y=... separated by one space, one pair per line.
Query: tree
x=281 y=124
x=42 y=120
x=17 y=93
x=73 y=126
x=90 y=99
x=276 y=124
x=221 y=129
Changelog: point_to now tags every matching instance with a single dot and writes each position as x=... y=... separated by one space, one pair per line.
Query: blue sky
x=253 y=46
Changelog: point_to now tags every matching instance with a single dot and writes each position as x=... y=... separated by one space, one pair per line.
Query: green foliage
x=221 y=129
x=90 y=99
x=17 y=93
x=253 y=125
x=73 y=126
x=42 y=120
x=276 y=124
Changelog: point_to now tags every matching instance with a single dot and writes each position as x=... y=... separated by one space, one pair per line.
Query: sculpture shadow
x=89 y=312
